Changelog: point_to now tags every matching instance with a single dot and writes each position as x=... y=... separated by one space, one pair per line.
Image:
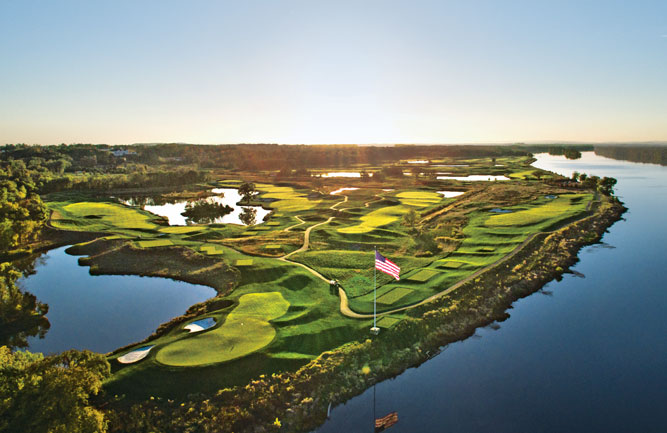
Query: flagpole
x=374 y=287
x=375 y=330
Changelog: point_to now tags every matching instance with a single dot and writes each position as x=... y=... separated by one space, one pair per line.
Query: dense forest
x=646 y=154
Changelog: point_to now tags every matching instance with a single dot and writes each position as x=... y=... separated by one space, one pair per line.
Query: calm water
x=227 y=196
x=587 y=355
x=102 y=313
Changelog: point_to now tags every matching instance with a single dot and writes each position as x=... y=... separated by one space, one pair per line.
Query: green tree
x=606 y=185
x=51 y=394
x=410 y=219
x=248 y=216
x=21 y=315
x=248 y=191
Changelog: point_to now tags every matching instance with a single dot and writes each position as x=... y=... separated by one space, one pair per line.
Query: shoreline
x=300 y=399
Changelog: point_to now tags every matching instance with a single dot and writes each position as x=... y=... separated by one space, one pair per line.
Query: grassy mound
x=246 y=330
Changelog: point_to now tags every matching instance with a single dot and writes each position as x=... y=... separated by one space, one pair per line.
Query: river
x=583 y=355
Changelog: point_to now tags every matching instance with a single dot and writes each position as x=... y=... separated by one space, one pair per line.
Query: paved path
x=345 y=308
x=295 y=225
x=306 y=243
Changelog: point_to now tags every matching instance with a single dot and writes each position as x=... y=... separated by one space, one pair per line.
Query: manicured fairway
x=181 y=229
x=394 y=295
x=211 y=249
x=246 y=330
x=419 y=198
x=99 y=216
x=287 y=199
x=377 y=218
x=155 y=243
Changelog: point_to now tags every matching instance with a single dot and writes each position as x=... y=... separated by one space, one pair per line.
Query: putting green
x=246 y=330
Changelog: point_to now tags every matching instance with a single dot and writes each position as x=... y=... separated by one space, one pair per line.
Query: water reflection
x=102 y=312
x=174 y=209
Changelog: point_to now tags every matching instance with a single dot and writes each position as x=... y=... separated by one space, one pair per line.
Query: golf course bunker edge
x=246 y=330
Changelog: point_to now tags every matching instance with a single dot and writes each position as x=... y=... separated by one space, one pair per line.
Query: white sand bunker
x=200 y=325
x=135 y=355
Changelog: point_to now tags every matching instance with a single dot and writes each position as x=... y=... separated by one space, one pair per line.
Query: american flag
x=385 y=265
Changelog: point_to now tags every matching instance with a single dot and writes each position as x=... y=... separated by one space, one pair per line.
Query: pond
x=103 y=312
x=475 y=177
x=583 y=355
x=226 y=196
x=338 y=191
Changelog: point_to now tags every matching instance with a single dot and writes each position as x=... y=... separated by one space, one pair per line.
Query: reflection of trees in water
x=21 y=314
x=248 y=216
x=205 y=211
x=148 y=200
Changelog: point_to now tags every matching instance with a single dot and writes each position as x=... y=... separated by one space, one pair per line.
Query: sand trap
x=200 y=325
x=451 y=194
x=418 y=161
x=135 y=355
x=338 y=191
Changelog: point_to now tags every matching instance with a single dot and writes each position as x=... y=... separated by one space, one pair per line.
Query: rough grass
x=449 y=264
x=246 y=330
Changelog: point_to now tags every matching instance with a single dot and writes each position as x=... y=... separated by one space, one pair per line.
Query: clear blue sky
x=332 y=71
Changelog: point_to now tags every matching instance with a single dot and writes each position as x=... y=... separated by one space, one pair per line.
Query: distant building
x=123 y=152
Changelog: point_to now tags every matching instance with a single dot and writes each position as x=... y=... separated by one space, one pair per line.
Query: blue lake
x=103 y=312
x=584 y=355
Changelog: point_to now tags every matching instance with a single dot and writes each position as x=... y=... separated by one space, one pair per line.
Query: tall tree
x=39 y=394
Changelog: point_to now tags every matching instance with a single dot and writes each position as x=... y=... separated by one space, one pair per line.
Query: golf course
x=275 y=310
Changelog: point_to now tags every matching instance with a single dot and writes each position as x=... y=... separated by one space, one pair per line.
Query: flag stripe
x=385 y=265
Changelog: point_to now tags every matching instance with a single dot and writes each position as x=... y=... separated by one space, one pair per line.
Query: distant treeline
x=647 y=154
x=556 y=149
x=89 y=158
